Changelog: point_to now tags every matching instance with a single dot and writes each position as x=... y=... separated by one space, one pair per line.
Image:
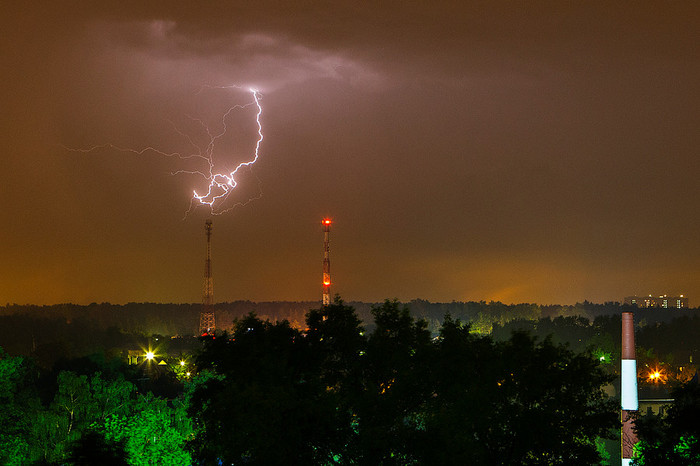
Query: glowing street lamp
x=150 y=356
x=656 y=376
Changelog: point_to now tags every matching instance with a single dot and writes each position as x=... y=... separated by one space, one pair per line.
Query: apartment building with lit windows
x=664 y=301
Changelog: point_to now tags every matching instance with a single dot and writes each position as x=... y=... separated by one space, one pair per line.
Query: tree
x=153 y=434
x=80 y=403
x=332 y=396
x=18 y=400
x=395 y=383
x=336 y=343
x=267 y=404
x=513 y=402
x=673 y=439
x=336 y=349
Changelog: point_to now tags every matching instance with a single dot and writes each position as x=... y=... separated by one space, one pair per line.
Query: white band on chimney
x=630 y=401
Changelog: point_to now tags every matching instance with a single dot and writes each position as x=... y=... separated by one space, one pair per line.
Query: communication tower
x=207 y=323
x=326 y=222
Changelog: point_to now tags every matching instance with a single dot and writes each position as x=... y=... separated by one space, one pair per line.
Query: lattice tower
x=207 y=323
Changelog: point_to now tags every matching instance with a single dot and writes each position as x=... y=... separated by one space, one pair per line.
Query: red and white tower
x=207 y=323
x=629 y=395
x=326 y=222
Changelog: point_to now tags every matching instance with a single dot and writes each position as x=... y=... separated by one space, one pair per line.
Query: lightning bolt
x=220 y=184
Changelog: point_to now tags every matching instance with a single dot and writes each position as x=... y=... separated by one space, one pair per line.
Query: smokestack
x=629 y=395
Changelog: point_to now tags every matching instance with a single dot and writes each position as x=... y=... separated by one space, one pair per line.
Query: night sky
x=515 y=151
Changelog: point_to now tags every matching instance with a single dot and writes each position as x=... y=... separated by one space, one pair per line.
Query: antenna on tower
x=326 y=222
x=206 y=316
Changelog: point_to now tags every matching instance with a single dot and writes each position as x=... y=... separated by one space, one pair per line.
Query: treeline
x=669 y=348
x=678 y=336
x=156 y=318
x=183 y=319
x=48 y=333
x=333 y=393
x=336 y=389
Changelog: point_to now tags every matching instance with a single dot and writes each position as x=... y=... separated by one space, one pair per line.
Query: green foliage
x=514 y=402
x=10 y=373
x=270 y=403
x=672 y=439
x=17 y=398
x=602 y=452
x=154 y=434
x=271 y=394
x=395 y=382
x=336 y=342
x=13 y=450
x=87 y=419
x=80 y=402
x=395 y=397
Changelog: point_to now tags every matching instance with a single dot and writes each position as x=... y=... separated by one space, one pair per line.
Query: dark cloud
x=483 y=150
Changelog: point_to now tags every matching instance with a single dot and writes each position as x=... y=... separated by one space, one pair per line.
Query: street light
x=657 y=375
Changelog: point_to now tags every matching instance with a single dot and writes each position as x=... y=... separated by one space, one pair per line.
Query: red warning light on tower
x=326 y=221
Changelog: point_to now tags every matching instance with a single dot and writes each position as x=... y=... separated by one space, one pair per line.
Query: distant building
x=665 y=302
x=658 y=406
x=135 y=357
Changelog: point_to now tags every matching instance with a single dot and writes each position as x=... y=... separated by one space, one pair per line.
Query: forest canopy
x=331 y=393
